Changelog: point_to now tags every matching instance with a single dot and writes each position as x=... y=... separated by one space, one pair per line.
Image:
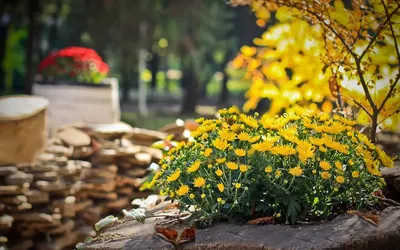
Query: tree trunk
x=142 y=66
x=191 y=91
x=154 y=65
x=125 y=85
x=224 y=94
x=53 y=33
x=33 y=8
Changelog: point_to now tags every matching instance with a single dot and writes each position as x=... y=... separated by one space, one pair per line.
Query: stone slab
x=344 y=232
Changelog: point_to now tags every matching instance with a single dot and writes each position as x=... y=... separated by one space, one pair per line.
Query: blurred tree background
x=180 y=50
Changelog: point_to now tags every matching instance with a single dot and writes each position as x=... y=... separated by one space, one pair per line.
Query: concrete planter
x=72 y=102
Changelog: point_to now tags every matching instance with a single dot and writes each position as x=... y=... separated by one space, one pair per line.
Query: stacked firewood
x=85 y=173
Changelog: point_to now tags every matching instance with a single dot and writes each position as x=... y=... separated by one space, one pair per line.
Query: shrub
x=300 y=165
x=77 y=63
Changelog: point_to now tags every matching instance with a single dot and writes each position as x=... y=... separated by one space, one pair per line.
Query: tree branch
x=392 y=87
x=378 y=30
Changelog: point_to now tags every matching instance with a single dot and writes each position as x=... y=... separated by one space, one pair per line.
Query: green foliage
x=302 y=165
x=14 y=59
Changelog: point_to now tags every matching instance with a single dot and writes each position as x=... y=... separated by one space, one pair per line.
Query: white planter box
x=81 y=103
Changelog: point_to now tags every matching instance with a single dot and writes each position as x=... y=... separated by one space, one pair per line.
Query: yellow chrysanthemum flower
x=325 y=175
x=221 y=187
x=296 y=171
x=199 y=182
x=316 y=141
x=251 y=152
x=333 y=128
x=191 y=196
x=243 y=168
x=219 y=199
x=207 y=152
x=283 y=150
x=227 y=135
x=262 y=146
x=373 y=169
x=219 y=172
x=204 y=136
x=220 y=144
x=351 y=162
x=338 y=165
x=339 y=179
x=355 y=174
x=305 y=150
x=194 y=167
x=253 y=139
x=240 y=152
x=268 y=169
x=199 y=120
x=314 y=171
x=221 y=160
x=183 y=189
x=235 y=127
x=234 y=110
x=249 y=121
x=238 y=185
x=232 y=165
x=174 y=176
x=243 y=136
x=278 y=173
x=203 y=196
x=384 y=158
x=289 y=133
x=325 y=165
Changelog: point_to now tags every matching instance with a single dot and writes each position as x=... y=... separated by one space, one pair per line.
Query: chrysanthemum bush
x=302 y=165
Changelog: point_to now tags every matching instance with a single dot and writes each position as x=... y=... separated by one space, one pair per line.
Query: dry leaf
x=173 y=236
x=262 y=220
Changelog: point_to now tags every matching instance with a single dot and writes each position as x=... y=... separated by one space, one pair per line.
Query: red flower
x=72 y=62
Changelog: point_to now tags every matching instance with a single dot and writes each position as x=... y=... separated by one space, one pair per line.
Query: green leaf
x=137 y=214
x=105 y=222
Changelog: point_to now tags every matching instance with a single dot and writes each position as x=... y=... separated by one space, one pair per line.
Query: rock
x=35 y=217
x=66 y=206
x=7 y=170
x=147 y=136
x=106 y=156
x=83 y=205
x=127 y=191
x=111 y=131
x=59 y=243
x=102 y=195
x=22 y=244
x=66 y=227
x=46 y=158
x=118 y=205
x=46 y=176
x=46 y=186
x=129 y=151
x=105 y=187
x=59 y=150
x=137 y=172
x=107 y=172
x=19 y=178
x=344 y=232
x=123 y=180
x=6 y=221
x=141 y=159
x=82 y=152
x=74 y=137
x=15 y=200
x=37 y=197
x=13 y=190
